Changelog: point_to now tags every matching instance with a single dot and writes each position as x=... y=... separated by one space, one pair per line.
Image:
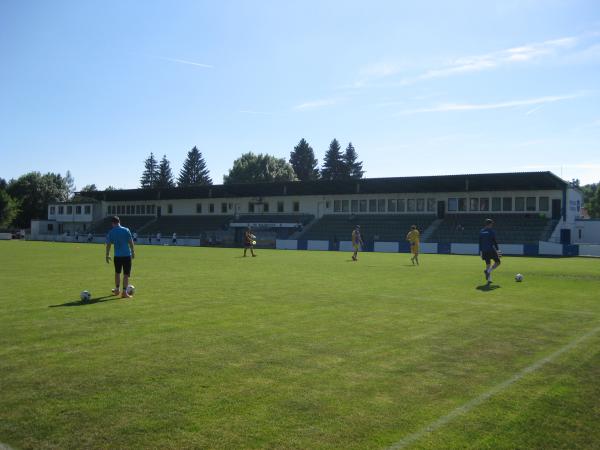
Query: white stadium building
x=535 y=213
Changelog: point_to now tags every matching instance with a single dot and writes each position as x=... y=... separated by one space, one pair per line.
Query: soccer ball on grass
x=130 y=289
x=85 y=296
x=518 y=277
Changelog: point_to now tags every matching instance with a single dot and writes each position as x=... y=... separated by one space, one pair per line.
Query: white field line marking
x=4 y=447
x=439 y=423
x=500 y=305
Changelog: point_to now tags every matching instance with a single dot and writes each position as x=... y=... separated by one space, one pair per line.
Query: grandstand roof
x=520 y=181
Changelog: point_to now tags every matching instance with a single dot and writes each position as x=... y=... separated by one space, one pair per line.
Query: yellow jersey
x=413 y=236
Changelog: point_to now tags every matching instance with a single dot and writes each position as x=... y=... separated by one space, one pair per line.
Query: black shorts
x=123 y=262
x=490 y=255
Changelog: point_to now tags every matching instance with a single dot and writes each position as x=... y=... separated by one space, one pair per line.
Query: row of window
x=225 y=208
x=499 y=204
x=69 y=209
x=383 y=205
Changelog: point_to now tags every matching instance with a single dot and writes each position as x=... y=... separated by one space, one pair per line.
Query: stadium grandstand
x=528 y=208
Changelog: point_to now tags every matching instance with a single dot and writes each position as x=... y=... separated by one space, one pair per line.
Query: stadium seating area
x=392 y=227
x=276 y=218
x=134 y=223
x=510 y=228
x=186 y=225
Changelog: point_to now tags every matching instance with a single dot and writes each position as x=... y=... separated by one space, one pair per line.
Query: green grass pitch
x=296 y=349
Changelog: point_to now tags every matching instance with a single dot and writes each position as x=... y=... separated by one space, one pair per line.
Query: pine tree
x=333 y=163
x=165 y=176
x=150 y=175
x=194 y=171
x=353 y=167
x=303 y=160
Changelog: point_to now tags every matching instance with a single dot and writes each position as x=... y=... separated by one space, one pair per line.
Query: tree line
x=256 y=168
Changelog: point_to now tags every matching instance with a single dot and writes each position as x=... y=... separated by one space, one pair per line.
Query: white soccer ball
x=130 y=289
x=253 y=242
x=518 y=277
x=85 y=296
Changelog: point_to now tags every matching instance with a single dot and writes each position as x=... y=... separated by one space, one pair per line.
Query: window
x=50 y=227
x=462 y=204
x=362 y=206
x=544 y=204
x=345 y=206
x=411 y=205
x=211 y=207
x=280 y=206
x=420 y=204
x=473 y=204
x=530 y=203
x=452 y=204
x=128 y=209
x=506 y=203
x=137 y=209
x=296 y=206
x=78 y=209
x=170 y=209
x=52 y=210
x=69 y=210
x=391 y=205
x=250 y=207
x=484 y=204
x=354 y=206
x=198 y=208
x=224 y=208
x=61 y=210
x=401 y=205
x=431 y=204
x=265 y=207
x=496 y=204
x=372 y=205
x=337 y=206
x=327 y=204
x=381 y=205
x=152 y=209
x=519 y=203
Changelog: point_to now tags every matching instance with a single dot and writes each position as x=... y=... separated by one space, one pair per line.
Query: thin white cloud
x=533 y=110
x=450 y=107
x=576 y=48
x=184 y=61
x=316 y=104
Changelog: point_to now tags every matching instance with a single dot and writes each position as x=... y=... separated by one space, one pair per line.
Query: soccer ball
x=130 y=289
x=253 y=242
x=518 y=277
x=85 y=296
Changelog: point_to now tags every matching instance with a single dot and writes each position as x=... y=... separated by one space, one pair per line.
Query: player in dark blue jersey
x=488 y=249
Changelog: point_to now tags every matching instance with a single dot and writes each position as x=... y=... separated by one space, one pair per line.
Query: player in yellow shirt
x=356 y=242
x=413 y=237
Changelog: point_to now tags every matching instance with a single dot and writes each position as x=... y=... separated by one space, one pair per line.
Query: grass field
x=295 y=349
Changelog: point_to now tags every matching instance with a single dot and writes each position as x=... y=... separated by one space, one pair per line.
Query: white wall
x=286 y=244
x=589 y=250
x=317 y=245
x=428 y=247
x=464 y=249
x=5 y=236
x=590 y=232
x=550 y=248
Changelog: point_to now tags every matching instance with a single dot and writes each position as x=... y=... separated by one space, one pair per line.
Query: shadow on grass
x=487 y=287
x=106 y=298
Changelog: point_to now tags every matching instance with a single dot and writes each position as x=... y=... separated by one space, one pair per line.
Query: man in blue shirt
x=488 y=249
x=121 y=238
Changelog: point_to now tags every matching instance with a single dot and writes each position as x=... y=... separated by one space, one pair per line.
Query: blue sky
x=419 y=88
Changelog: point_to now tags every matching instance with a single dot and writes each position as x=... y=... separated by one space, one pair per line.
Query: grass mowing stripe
x=439 y=423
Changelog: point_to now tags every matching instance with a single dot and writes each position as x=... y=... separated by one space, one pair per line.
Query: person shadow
x=487 y=287
x=91 y=301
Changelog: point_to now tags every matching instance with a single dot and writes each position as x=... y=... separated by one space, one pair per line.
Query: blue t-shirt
x=120 y=236
x=487 y=240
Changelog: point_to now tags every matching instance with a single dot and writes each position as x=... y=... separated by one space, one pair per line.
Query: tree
x=33 y=192
x=251 y=168
x=590 y=199
x=303 y=160
x=70 y=183
x=165 y=176
x=110 y=188
x=3 y=184
x=89 y=188
x=353 y=168
x=8 y=209
x=194 y=171
x=150 y=175
x=333 y=163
